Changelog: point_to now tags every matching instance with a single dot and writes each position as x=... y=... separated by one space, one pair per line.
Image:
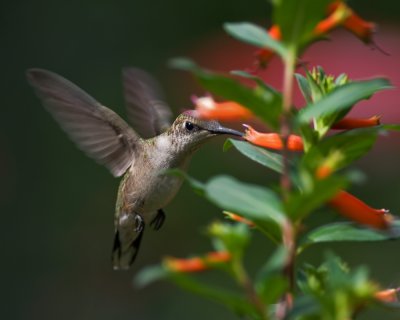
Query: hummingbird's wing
x=97 y=130
x=146 y=107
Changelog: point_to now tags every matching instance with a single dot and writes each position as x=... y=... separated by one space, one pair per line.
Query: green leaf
x=394 y=127
x=256 y=203
x=344 y=147
x=234 y=302
x=252 y=201
x=254 y=35
x=303 y=202
x=298 y=18
x=342 y=98
x=261 y=100
x=346 y=231
x=304 y=87
x=149 y=275
x=262 y=156
x=304 y=306
x=257 y=80
x=270 y=283
x=230 y=237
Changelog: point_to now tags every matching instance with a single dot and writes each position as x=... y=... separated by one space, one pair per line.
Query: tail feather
x=123 y=256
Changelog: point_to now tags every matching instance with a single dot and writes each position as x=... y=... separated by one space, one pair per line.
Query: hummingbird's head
x=190 y=132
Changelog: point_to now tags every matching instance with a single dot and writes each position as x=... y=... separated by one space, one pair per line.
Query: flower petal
x=195 y=264
x=237 y=218
x=353 y=123
x=353 y=208
x=263 y=56
x=387 y=295
x=207 y=108
x=272 y=140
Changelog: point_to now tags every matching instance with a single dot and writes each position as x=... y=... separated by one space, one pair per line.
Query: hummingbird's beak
x=222 y=130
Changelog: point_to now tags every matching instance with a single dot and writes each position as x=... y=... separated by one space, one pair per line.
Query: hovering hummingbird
x=145 y=188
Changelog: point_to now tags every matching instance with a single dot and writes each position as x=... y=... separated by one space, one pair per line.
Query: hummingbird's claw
x=158 y=221
x=139 y=222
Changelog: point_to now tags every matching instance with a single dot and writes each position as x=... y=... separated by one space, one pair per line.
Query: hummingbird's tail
x=126 y=245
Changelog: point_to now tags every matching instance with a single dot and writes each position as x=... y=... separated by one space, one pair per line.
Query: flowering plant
x=310 y=156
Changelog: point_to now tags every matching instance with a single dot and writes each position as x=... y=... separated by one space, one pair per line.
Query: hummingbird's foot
x=158 y=221
x=139 y=223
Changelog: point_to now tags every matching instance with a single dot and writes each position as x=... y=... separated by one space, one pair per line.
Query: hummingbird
x=141 y=156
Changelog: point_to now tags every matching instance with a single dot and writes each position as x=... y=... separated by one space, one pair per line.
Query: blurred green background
x=57 y=205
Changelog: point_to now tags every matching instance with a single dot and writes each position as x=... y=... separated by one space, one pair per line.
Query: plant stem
x=244 y=280
x=288 y=230
x=290 y=63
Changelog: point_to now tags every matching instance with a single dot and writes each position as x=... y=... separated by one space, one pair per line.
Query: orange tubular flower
x=272 y=140
x=217 y=257
x=208 y=109
x=353 y=123
x=237 y=218
x=323 y=171
x=353 y=208
x=354 y=23
x=388 y=295
x=337 y=14
x=197 y=264
x=263 y=56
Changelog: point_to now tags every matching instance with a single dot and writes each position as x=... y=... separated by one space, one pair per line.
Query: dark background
x=57 y=205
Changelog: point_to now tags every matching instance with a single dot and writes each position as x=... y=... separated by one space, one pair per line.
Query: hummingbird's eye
x=189 y=126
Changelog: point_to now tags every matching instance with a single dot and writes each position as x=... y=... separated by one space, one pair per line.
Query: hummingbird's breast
x=146 y=187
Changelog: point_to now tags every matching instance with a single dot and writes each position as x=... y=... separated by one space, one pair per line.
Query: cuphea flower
x=197 y=264
x=354 y=23
x=237 y=218
x=356 y=210
x=263 y=56
x=387 y=295
x=207 y=108
x=338 y=14
x=353 y=208
x=353 y=123
x=272 y=140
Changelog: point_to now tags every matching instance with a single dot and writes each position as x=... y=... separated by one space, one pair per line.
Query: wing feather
x=96 y=130
x=146 y=109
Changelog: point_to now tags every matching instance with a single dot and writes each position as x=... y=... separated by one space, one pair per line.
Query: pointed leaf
x=235 y=302
x=342 y=98
x=346 y=146
x=345 y=231
x=256 y=203
x=304 y=87
x=252 y=201
x=254 y=35
x=262 y=156
x=302 y=203
x=270 y=282
x=232 y=301
x=394 y=127
x=149 y=275
x=298 y=18
x=258 y=80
